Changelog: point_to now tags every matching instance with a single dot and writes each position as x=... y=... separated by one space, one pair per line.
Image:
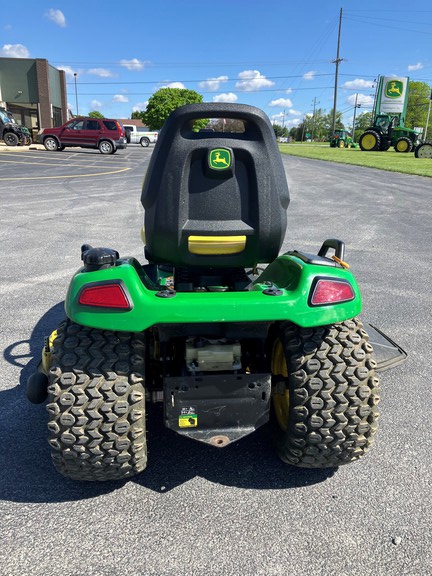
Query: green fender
x=291 y=278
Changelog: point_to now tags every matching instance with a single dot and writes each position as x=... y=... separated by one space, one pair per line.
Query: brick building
x=34 y=91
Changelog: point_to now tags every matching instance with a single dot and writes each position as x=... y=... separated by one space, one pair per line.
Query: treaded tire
x=403 y=144
x=97 y=403
x=11 y=139
x=370 y=141
x=423 y=150
x=333 y=395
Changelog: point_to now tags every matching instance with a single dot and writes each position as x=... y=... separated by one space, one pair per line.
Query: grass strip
x=406 y=163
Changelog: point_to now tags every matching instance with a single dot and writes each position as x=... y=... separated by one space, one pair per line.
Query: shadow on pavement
x=29 y=476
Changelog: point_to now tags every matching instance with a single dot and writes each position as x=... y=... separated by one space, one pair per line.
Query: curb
x=5 y=148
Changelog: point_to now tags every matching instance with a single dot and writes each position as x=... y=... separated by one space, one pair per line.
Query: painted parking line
x=62 y=158
x=64 y=176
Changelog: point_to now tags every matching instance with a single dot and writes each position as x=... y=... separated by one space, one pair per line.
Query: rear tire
x=11 y=139
x=145 y=142
x=423 y=150
x=324 y=394
x=106 y=147
x=97 y=403
x=370 y=141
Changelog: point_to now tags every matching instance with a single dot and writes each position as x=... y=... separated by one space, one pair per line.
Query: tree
x=280 y=131
x=328 y=122
x=165 y=101
x=96 y=114
x=138 y=115
x=418 y=104
x=227 y=125
x=363 y=121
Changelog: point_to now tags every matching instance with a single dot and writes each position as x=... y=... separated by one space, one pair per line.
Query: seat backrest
x=215 y=199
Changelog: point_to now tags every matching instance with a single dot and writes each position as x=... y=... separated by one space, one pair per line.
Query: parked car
x=105 y=134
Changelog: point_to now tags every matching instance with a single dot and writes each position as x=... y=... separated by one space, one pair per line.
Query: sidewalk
x=5 y=148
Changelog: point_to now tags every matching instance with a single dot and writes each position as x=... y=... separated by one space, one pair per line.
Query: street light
x=76 y=93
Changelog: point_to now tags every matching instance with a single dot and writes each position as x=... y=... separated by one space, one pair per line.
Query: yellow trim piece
x=46 y=352
x=216 y=245
x=143 y=236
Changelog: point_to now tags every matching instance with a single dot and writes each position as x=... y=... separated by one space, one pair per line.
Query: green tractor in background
x=342 y=139
x=387 y=131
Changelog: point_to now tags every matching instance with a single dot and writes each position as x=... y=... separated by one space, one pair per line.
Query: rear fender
x=281 y=292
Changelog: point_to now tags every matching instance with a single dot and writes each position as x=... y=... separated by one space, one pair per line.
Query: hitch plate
x=217 y=409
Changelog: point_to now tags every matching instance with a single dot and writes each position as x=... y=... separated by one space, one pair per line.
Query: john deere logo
x=394 y=89
x=220 y=159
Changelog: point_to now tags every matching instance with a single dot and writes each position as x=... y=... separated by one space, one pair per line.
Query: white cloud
x=358 y=84
x=174 y=85
x=101 y=72
x=295 y=112
x=56 y=16
x=251 y=80
x=14 y=51
x=68 y=70
x=417 y=66
x=139 y=106
x=366 y=101
x=120 y=98
x=309 y=75
x=227 y=97
x=95 y=105
x=279 y=119
x=281 y=102
x=213 y=84
x=133 y=64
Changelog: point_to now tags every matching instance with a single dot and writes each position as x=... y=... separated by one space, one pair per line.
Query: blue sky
x=276 y=55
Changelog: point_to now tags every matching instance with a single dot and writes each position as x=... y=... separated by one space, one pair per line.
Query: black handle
x=337 y=245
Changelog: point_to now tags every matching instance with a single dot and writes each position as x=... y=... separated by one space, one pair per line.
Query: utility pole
x=354 y=119
x=337 y=62
x=313 y=121
x=427 y=119
x=377 y=83
x=76 y=93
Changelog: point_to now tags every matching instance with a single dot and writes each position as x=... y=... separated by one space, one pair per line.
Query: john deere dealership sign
x=392 y=95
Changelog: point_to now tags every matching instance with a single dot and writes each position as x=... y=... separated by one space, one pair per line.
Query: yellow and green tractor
x=342 y=139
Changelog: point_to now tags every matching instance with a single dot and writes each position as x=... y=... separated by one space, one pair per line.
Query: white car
x=140 y=135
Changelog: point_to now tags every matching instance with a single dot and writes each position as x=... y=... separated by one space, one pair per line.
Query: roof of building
x=131 y=121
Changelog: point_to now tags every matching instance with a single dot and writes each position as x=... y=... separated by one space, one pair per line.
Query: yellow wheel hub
x=369 y=142
x=280 y=394
x=402 y=146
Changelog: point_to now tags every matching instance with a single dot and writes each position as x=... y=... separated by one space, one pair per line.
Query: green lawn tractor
x=385 y=133
x=218 y=326
x=342 y=139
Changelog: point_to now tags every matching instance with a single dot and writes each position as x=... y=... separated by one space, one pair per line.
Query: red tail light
x=328 y=291
x=105 y=296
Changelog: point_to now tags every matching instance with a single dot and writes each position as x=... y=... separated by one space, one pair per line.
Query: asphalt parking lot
x=196 y=509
